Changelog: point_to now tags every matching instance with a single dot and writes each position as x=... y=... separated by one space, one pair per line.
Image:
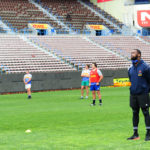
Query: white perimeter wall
x=131 y=14
x=123 y=10
x=116 y=8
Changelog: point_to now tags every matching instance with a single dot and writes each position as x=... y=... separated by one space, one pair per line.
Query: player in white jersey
x=27 y=81
x=85 y=81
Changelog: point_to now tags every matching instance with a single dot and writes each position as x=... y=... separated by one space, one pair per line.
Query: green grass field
x=61 y=121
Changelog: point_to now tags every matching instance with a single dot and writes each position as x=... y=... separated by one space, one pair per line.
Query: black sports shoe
x=100 y=102
x=134 y=137
x=147 y=137
x=29 y=97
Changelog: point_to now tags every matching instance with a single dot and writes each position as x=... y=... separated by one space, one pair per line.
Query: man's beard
x=134 y=58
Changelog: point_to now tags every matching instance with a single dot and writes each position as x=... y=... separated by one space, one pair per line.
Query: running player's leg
x=87 y=91
x=82 y=91
x=29 y=92
x=94 y=97
x=92 y=89
x=100 y=97
x=99 y=94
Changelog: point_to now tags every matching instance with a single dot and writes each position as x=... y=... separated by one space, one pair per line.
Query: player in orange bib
x=96 y=77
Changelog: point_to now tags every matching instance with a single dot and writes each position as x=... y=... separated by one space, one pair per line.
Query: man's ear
x=139 y=55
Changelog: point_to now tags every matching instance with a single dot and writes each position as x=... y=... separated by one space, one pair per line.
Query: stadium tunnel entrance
x=146 y=31
x=42 y=32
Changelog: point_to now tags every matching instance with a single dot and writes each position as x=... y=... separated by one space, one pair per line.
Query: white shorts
x=28 y=86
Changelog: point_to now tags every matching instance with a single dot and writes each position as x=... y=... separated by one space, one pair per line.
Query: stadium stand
x=104 y=13
x=123 y=45
x=79 y=15
x=80 y=51
x=64 y=52
x=19 y=56
x=17 y=15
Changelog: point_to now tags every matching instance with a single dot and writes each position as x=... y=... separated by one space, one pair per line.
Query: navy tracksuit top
x=140 y=78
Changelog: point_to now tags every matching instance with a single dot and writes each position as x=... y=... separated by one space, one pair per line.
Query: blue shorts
x=95 y=87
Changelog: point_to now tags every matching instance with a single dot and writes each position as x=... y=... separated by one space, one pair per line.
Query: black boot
x=29 y=97
x=93 y=104
x=135 y=136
